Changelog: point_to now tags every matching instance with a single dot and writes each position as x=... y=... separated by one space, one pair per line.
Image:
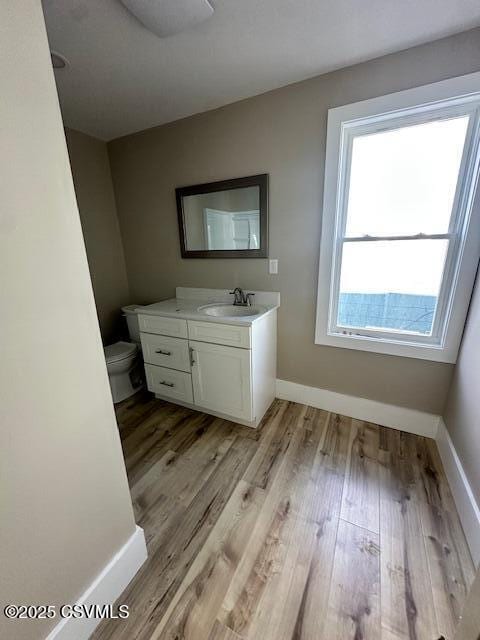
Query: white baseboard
x=467 y=506
x=388 y=415
x=106 y=588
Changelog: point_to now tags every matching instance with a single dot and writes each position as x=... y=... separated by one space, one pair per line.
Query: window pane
x=403 y=181
x=391 y=285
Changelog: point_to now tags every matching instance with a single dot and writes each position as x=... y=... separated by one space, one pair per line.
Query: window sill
x=389 y=347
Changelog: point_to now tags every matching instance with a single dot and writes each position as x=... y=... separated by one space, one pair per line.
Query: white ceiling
x=122 y=78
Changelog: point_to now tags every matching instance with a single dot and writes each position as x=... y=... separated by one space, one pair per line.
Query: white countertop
x=186 y=305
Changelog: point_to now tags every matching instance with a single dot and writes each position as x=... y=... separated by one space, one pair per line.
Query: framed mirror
x=226 y=219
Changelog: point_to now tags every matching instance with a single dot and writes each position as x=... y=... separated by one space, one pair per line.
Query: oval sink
x=229 y=310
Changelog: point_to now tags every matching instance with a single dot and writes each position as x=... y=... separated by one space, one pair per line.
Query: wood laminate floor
x=314 y=527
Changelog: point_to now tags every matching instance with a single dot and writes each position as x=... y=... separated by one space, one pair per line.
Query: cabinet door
x=221 y=379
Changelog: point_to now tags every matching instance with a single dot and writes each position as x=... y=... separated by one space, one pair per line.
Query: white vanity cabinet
x=222 y=379
x=224 y=369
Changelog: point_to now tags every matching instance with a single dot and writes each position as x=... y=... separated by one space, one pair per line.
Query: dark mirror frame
x=260 y=181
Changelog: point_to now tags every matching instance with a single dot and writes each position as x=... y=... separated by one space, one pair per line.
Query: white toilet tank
x=131 y=314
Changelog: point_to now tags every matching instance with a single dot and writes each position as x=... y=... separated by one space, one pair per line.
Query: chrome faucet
x=241 y=298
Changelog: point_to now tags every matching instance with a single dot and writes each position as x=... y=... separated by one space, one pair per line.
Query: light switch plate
x=273 y=266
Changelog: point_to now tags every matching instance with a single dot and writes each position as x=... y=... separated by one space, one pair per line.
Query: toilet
x=124 y=368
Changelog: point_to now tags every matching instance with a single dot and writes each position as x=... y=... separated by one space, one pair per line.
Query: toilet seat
x=119 y=351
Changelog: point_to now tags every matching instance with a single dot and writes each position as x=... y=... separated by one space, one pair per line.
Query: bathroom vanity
x=202 y=351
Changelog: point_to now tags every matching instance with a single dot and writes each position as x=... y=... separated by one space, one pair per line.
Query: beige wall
x=281 y=133
x=98 y=215
x=65 y=504
x=462 y=411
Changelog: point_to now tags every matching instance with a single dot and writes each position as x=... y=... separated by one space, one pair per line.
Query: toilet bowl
x=124 y=366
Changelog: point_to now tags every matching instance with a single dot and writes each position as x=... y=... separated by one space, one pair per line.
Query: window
x=400 y=229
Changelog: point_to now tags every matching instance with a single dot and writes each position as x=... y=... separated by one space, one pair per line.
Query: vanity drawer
x=174 y=327
x=217 y=333
x=165 y=352
x=170 y=383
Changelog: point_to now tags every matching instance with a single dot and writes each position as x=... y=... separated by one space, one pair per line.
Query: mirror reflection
x=223 y=220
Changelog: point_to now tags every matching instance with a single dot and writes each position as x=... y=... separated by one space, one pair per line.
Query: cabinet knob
x=163 y=352
x=166 y=384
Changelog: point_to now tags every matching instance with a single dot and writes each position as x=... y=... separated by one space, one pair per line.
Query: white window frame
x=446 y=99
